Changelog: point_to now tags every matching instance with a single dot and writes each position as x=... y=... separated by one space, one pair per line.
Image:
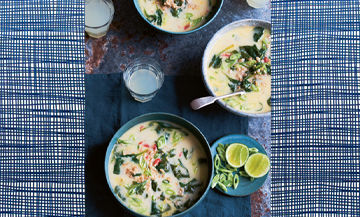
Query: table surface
x=130 y=36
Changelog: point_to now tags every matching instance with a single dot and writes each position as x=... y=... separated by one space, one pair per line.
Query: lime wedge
x=237 y=154
x=257 y=165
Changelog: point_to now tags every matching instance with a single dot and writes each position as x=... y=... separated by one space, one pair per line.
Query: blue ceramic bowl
x=162 y=117
x=213 y=14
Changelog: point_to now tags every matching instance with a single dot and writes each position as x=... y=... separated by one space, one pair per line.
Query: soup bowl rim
x=133 y=122
x=221 y=32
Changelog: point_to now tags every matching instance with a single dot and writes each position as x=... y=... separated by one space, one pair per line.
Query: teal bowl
x=162 y=117
x=215 y=10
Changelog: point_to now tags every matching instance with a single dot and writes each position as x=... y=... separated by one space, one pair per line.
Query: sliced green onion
x=222 y=186
x=161 y=142
x=215 y=181
x=132 y=138
x=222 y=178
x=242 y=97
x=227 y=183
x=253 y=150
x=235 y=56
x=135 y=202
x=236 y=181
x=230 y=177
x=249 y=106
x=225 y=170
x=141 y=211
x=243 y=173
x=165 y=181
x=217 y=162
x=170 y=191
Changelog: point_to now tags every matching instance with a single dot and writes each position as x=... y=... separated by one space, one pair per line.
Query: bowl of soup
x=238 y=58
x=158 y=164
x=178 y=16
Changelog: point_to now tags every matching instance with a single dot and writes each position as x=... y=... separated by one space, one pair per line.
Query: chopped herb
x=185 y=151
x=118 y=163
x=172 y=153
x=190 y=186
x=117 y=192
x=175 y=12
x=258 y=33
x=162 y=196
x=137 y=188
x=177 y=170
x=154 y=185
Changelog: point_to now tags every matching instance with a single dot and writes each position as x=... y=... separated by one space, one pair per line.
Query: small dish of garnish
x=241 y=165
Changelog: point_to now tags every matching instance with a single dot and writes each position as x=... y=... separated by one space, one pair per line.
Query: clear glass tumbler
x=98 y=16
x=143 y=78
x=257 y=3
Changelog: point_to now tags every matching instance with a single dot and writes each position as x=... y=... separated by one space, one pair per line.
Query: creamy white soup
x=177 y=15
x=158 y=168
x=241 y=59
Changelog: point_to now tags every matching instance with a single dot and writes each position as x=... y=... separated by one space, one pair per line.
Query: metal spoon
x=204 y=101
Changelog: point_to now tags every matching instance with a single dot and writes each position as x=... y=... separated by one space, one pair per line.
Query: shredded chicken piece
x=181 y=191
x=171 y=4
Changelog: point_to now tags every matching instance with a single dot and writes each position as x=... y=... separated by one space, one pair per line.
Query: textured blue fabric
x=42 y=108
x=109 y=105
x=316 y=108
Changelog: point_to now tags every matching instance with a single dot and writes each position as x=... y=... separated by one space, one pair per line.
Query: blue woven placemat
x=42 y=108
x=316 y=108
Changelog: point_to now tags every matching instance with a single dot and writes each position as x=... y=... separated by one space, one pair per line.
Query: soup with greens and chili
x=177 y=15
x=158 y=168
x=241 y=59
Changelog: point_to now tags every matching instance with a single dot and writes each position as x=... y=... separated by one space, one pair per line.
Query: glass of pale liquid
x=98 y=16
x=257 y=3
x=143 y=78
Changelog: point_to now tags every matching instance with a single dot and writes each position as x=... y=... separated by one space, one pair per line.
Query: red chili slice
x=180 y=154
x=154 y=147
x=146 y=145
x=266 y=59
x=156 y=162
x=187 y=26
x=142 y=127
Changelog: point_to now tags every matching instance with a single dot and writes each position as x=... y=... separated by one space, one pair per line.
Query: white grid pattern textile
x=42 y=100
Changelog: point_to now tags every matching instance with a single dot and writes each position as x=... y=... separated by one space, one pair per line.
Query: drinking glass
x=257 y=3
x=143 y=78
x=98 y=16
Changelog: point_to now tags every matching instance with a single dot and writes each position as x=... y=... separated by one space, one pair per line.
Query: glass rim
x=109 y=21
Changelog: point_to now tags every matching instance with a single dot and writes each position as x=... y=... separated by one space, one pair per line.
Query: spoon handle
x=204 y=101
